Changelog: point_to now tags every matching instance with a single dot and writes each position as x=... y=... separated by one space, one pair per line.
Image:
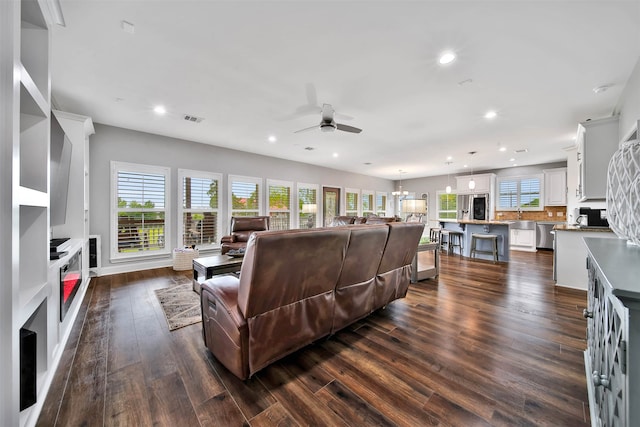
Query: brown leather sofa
x=339 y=221
x=241 y=229
x=297 y=286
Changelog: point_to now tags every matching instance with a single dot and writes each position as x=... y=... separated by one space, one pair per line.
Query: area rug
x=181 y=305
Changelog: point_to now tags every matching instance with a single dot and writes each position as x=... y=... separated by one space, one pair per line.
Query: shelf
x=34 y=45
x=32 y=101
x=34 y=152
x=34 y=251
x=30 y=197
x=30 y=300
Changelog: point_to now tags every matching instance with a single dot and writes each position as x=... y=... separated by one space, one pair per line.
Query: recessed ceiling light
x=512 y=159
x=515 y=164
x=449 y=158
x=490 y=115
x=446 y=58
x=503 y=149
x=465 y=166
x=335 y=154
x=160 y=110
x=272 y=139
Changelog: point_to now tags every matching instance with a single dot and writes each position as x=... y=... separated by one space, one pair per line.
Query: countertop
x=619 y=264
x=566 y=227
x=475 y=222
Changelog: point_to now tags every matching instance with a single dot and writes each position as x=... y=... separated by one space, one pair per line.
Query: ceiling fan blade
x=327 y=113
x=307 y=129
x=347 y=128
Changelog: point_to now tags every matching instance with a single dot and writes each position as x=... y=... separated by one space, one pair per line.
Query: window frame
x=116 y=168
x=386 y=203
x=184 y=173
x=246 y=179
x=518 y=180
x=290 y=211
x=372 y=195
x=358 y=207
x=316 y=187
x=439 y=209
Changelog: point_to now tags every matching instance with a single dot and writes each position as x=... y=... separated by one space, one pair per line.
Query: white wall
x=112 y=143
x=628 y=106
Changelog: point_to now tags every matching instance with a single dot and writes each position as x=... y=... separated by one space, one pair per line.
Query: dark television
x=60 y=168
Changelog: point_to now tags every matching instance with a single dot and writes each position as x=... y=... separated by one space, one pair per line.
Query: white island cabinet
x=570 y=254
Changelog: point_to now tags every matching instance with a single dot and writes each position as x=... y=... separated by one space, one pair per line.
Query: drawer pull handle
x=600 y=380
x=587 y=314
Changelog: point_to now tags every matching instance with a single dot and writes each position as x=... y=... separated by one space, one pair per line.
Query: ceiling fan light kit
x=328 y=123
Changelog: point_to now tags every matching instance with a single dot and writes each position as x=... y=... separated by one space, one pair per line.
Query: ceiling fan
x=328 y=124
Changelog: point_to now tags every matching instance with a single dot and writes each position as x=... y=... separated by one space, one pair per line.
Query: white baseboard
x=134 y=266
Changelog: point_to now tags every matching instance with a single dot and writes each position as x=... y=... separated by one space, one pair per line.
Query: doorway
x=330 y=204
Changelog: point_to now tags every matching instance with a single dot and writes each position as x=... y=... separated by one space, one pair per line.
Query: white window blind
x=351 y=199
x=520 y=193
x=199 y=210
x=307 y=205
x=381 y=204
x=368 y=203
x=140 y=214
x=244 y=195
x=279 y=204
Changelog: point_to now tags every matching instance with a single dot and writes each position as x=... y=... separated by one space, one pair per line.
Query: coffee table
x=206 y=267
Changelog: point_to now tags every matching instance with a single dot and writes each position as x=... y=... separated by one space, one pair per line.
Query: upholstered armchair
x=241 y=229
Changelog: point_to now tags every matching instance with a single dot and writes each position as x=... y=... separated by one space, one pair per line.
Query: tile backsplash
x=550 y=213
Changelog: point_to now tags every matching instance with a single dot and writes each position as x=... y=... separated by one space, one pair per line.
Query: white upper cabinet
x=485 y=183
x=555 y=187
x=597 y=140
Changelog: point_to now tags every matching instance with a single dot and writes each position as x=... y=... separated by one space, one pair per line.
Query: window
x=244 y=195
x=307 y=205
x=447 y=205
x=139 y=210
x=368 y=206
x=381 y=204
x=199 y=210
x=279 y=204
x=520 y=193
x=351 y=197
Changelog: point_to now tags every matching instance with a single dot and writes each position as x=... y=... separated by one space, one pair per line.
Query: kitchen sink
x=522 y=225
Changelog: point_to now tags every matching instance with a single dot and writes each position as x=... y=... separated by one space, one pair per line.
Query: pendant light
x=448 y=189
x=400 y=192
x=472 y=183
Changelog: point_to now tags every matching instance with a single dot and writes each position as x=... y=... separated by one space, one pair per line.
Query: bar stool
x=455 y=239
x=475 y=237
x=434 y=234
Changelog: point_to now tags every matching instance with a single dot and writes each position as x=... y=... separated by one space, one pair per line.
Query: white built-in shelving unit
x=29 y=282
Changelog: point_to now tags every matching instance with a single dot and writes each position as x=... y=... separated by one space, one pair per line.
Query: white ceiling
x=247 y=66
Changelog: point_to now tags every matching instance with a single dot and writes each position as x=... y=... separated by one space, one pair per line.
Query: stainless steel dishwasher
x=544 y=238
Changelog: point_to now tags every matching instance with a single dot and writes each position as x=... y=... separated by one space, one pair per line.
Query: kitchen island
x=469 y=227
x=570 y=253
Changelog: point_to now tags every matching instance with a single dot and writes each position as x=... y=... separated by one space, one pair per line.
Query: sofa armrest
x=228 y=239
x=221 y=294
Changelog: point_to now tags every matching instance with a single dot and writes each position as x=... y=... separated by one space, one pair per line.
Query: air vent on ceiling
x=309 y=148
x=193 y=119
x=522 y=150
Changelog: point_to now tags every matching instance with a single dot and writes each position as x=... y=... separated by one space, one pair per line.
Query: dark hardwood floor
x=481 y=345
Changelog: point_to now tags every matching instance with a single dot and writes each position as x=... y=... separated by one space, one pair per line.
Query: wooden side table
x=207 y=267
x=420 y=270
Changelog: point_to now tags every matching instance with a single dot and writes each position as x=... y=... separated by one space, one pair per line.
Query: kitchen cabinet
x=555 y=187
x=570 y=253
x=596 y=140
x=522 y=240
x=485 y=183
x=613 y=340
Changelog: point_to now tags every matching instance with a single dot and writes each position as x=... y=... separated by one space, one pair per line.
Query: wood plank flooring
x=482 y=345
